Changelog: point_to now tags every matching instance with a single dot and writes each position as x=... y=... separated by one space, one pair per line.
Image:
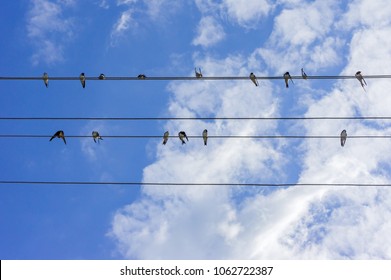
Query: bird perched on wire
x=102 y=77
x=198 y=74
x=181 y=136
x=45 y=78
x=141 y=77
x=254 y=79
x=360 y=78
x=165 y=137
x=82 y=78
x=96 y=136
x=59 y=134
x=344 y=135
x=303 y=74
x=205 y=136
x=287 y=77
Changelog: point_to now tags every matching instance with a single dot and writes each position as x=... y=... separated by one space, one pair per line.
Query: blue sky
x=170 y=38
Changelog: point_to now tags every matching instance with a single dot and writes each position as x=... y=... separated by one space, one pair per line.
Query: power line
x=176 y=78
x=200 y=136
x=11 y=182
x=187 y=118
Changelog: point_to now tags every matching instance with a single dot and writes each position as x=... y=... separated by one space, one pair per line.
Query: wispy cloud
x=125 y=22
x=209 y=32
x=154 y=11
x=48 y=30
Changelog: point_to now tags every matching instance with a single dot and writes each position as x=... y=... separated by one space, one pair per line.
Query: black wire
x=196 y=136
x=187 y=118
x=157 y=78
x=194 y=184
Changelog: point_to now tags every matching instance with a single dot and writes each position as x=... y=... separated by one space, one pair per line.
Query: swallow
x=165 y=137
x=360 y=78
x=59 y=134
x=102 y=77
x=82 y=78
x=141 y=77
x=181 y=136
x=96 y=136
x=45 y=78
x=303 y=74
x=344 y=135
x=198 y=74
x=254 y=79
x=205 y=136
x=287 y=76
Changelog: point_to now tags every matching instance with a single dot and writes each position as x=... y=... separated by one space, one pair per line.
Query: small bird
x=287 y=76
x=59 y=134
x=45 y=78
x=205 y=136
x=83 y=80
x=181 y=136
x=344 y=135
x=254 y=79
x=303 y=74
x=198 y=74
x=96 y=136
x=360 y=78
x=102 y=77
x=165 y=137
x=141 y=77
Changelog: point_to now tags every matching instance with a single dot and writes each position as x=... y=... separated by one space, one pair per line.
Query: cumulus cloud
x=247 y=13
x=306 y=31
x=314 y=222
x=48 y=30
x=209 y=32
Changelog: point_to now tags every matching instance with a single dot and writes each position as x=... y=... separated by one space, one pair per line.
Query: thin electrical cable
x=173 y=78
x=19 y=182
x=200 y=136
x=187 y=118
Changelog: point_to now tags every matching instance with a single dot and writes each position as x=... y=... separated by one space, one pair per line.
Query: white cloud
x=205 y=222
x=301 y=33
x=48 y=30
x=156 y=11
x=247 y=13
x=125 y=22
x=209 y=32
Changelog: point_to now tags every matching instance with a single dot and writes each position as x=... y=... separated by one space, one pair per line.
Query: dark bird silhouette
x=102 y=77
x=287 y=77
x=360 y=78
x=198 y=74
x=82 y=78
x=254 y=79
x=181 y=136
x=205 y=136
x=165 y=137
x=141 y=77
x=59 y=134
x=344 y=135
x=96 y=136
x=45 y=78
x=303 y=74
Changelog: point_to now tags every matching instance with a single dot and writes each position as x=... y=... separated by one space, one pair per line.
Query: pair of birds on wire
x=286 y=76
x=182 y=136
x=60 y=134
x=82 y=78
